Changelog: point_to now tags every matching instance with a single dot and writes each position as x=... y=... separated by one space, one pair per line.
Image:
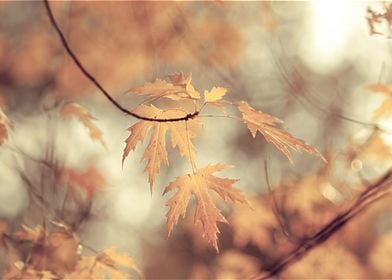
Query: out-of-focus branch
x=373 y=193
x=89 y=76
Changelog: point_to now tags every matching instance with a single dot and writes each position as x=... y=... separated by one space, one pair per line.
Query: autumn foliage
x=253 y=180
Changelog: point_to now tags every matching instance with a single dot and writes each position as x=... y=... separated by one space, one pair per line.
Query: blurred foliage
x=67 y=210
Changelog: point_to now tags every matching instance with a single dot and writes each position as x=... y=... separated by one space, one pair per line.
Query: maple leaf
x=214 y=97
x=376 y=148
x=215 y=94
x=108 y=263
x=55 y=251
x=178 y=88
x=82 y=114
x=386 y=107
x=198 y=185
x=258 y=121
x=111 y=257
x=155 y=153
x=5 y=124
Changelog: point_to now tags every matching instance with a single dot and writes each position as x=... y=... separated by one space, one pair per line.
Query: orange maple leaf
x=198 y=184
x=82 y=114
x=385 y=108
x=178 y=88
x=86 y=182
x=155 y=153
x=258 y=121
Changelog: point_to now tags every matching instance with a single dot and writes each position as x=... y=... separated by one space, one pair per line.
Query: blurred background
x=310 y=64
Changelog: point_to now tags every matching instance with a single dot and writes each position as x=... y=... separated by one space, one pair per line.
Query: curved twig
x=371 y=194
x=89 y=76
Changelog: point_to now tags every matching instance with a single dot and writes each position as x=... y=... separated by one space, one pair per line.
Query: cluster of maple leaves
x=202 y=180
x=197 y=184
x=56 y=253
x=54 y=250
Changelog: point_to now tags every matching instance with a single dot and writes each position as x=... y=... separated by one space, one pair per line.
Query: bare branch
x=372 y=194
x=89 y=76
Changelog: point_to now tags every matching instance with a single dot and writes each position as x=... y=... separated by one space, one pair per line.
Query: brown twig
x=89 y=76
x=373 y=193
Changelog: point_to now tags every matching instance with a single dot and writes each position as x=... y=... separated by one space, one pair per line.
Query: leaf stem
x=193 y=162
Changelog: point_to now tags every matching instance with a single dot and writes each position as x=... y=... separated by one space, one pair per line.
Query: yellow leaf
x=376 y=148
x=198 y=185
x=385 y=108
x=111 y=257
x=258 y=121
x=215 y=94
x=156 y=153
x=82 y=114
x=380 y=88
x=178 y=88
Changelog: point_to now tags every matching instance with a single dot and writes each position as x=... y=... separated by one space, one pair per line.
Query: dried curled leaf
x=385 y=108
x=82 y=114
x=198 y=185
x=178 y=88
x=258 y=121
x=379 y=22
x=155 y=153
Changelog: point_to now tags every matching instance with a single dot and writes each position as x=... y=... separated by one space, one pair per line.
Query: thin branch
x=89 y=76
x=370 y=195
x=277 y=211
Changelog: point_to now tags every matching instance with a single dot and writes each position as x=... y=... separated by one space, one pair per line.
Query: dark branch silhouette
x=89 y=76
x=373 y=193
